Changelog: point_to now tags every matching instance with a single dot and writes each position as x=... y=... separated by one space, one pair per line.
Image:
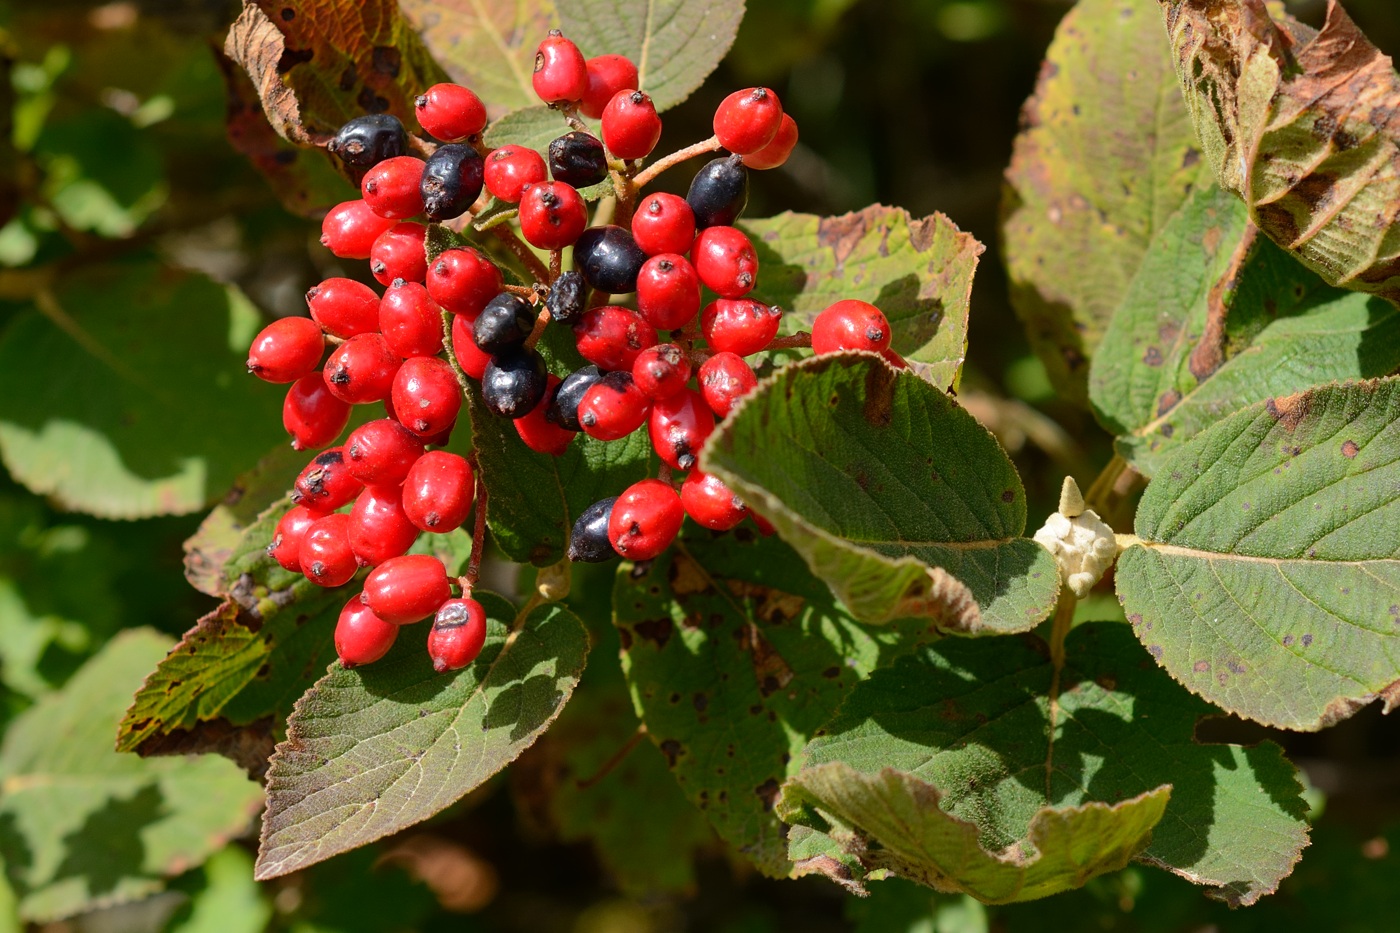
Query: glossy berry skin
x=567 y=297
x=286 y=540
x=631 y=127
x=607 y=74
x=613 y=407
x=469 y=356
x=663 y=223
x=504 y=323
x=679 y=426
x=711 y=503
x=719 y=192
x=561 y=74
x=611 y=337
x=850 y=324
x=350 y=229
x=578 y=159
x=391 y=187
x=410 y=320
x=286 y=350
x=452 y=181
x=609 y=259
x=379 y=527
x=645 y=520
x=344 y=307
x=311 y=414
x=661 y=371
x=748 y=120
x=438 y=492
x=463 y=280
x=741 y=326
x=539 y=433
x=368 y=140
x=510 y=168
x=399 y=254
x=724 y=379
x=513 y=383
x=380 y=453
x=407 y=589
x=361 y=370
x=325 y=555
x=725 y=261
x=426 y=395
x=325 y=484
x=458 y=634
x=589 y=541
x=552 y=215
x=668 y=291
x=361 y=637
x=775 y=153
x=450 y=112
x=562 y=409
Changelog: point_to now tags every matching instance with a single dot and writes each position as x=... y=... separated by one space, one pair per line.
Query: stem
x=663 y=473
x=674 y=159
x=1059 y=630
x=537 y=332
x=478 y=533
x=1117 y=483
x=617 y=758
x=556 y=265
x=799 y=339
x=527 y=258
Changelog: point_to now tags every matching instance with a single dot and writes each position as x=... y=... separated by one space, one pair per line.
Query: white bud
x=1083 y=545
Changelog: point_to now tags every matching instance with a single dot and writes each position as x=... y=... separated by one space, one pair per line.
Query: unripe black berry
x=609 y=259
x=567 y=298
x=578 y=159
x=513 y=383
x=368 y=140
x=451 y=181
x=589 y=541
x=563 y=408
x=719 y=192
x=503 y=324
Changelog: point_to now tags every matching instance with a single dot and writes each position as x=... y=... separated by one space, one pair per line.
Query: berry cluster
x=364 y=503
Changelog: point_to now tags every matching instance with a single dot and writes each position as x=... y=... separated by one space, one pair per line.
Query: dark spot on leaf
x=288 y=14
x=879 y=395
x=387 y=60
x=672 y=750
x=1288 y=641
x=1350 y=450
x=1152 y=357
x=1200 y=667
x=1307 y=641
x=1167 y=429
x=1135 y=618
x=624 y=635
x=657 y=630
x=1155 y=651
x=675 y=698
x=1235 y=667
x=700 y=702
x=371 y=102
x=1289 y=410
x=768 y=793
x=755 y=709
x=348 y=77
x=831 y=673
x=290 y=58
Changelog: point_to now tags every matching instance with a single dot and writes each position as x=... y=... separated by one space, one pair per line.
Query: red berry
x=561 y=74
x=469 y=356
x=458 y=634
x=726 y=261
x=286 y=350
x=711 y=503
x=325 y=554
x=645 y=519
x=361 y=370
x=765 y=527
x=361 y=637
x=663 y=223
x=724 y=379
x=351 y=228
x=312 y=415
x=776 y=152
x=399 y=254
x=380 y=453
x=510 y=168
x=438 y=493
x=379 y=529
x=344 y=307
x=427 y=396
x=741 y=326
x=631 y=127
x=325 y=483
x=613 y=407
x=747 y=120
x=462 y=281
x=450 y=112
x=391 y=187
x=286 y=540
x=679 y=426
x=668 y=291
x=850 y=324
x=894 y=359
x=410 y=320
x=404 y=590
x=552 y=215
x=538 y=433
x=610 y=337
x=661 y=371
x=607 y=74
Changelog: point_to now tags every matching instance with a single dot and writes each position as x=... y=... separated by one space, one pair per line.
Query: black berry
x=567 y=298
x=589 y=541
x=609 y=259
x=503 y=324
x=451 y=181
x=368 y=140
x=563 y=408
x=513 y=383
x=719 y=192
x=578 y=159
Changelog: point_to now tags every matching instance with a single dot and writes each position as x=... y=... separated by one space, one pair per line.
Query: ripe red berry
x=344 y=307
x=561 y=74
x=724 y=379
x=747 y=120
x=850 y=324
x=286 y=350
x=380 y=453
x=311 y=414
x=726 y=261
x=645 y=519
x=552 y=215
x=894 y=359
x=399 y=254
x=540 y=434
x=679 y=426
x=470 y=357
x=450 y=112
x=286 y=540
x=462 y=281
x=351 y=228
x=458 y=634
x=361 y=637
x=741 y=326
x=668 y=291
x=610 y=337
x=613 y=407
x=510 y=168
x=410 y=320
x=391 y=188
x=404 y=590
x=325 y=554
x=607 y=74
x=361 y=370
x=776 y=152
x=379 y=528
x=426 y=395
x=711 y=503
x=325 y=484
x=663 y=223
x=438 y=492
x=661 y=371
x=631 y=127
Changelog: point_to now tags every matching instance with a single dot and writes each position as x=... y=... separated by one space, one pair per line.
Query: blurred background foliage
x=115 y=164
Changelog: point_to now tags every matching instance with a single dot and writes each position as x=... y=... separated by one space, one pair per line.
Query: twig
x=617 y=758
x=478 y=533
x=674 y=159
x=527 y=258
x=1064 y=618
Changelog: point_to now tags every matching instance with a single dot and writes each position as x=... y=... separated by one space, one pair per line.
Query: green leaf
x=894 y=494
x=1218 y=318
x=373 y=750
x=109 y=385
x=1106 y=156
x=1267 y=577
x=230 y=901
x=675 y=44
x=82 y=826
x=1014 y=785
x=918 y=272
x=532 y=127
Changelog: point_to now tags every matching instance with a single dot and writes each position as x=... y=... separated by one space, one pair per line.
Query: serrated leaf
x=376 y=749
x=894 y=494
x=82 y=826
x=1107 y=154
x=1267 y=578
x=918 y=272
x=995 y=758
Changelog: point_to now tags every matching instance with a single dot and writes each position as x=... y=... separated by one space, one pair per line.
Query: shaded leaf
x=532 y=127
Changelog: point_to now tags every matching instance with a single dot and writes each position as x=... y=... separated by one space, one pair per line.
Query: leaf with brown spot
x=488 y=45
